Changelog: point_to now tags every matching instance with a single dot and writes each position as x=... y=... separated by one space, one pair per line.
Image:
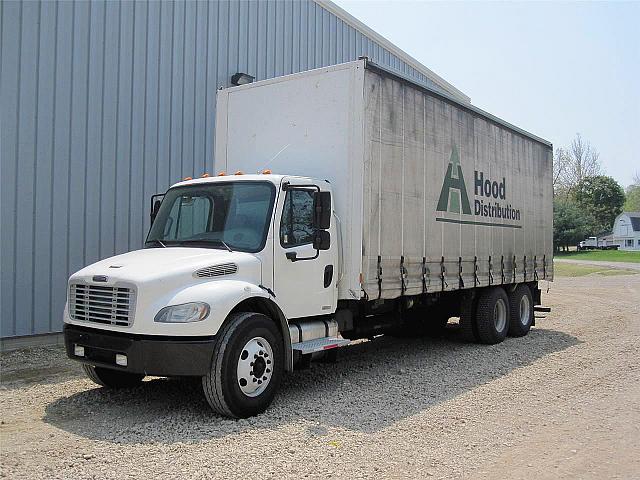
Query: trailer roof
x=449 y=98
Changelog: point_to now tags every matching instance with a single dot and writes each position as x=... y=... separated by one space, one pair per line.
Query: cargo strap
x=525 y=268
x=403 y=276
x=535 y=268
x=515 y=267
x=490 y=271
x=443 y=269
x=502 y=278
x=475 y=272
x=424 y=274
x=379 y=275
x=460 y=280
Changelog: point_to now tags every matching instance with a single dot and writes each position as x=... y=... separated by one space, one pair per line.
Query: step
x=320 y=344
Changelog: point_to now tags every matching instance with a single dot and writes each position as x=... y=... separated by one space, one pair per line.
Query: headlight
x=187 y=312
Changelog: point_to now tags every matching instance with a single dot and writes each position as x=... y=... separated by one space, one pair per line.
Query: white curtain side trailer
x=432 y=195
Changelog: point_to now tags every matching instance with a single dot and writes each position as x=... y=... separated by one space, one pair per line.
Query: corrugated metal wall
x=106 y=103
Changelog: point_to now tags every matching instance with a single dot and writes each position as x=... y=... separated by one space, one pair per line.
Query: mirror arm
x=294 y=258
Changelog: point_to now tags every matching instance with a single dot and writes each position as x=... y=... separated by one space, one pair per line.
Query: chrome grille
x=101 y=304
x=217 y=270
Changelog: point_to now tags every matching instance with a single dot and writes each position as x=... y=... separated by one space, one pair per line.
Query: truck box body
x=431 y=194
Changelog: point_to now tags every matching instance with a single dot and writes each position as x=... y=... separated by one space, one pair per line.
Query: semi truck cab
x=217 y=245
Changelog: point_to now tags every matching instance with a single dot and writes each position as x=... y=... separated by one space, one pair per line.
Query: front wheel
x=109 y=378
x=246 y=367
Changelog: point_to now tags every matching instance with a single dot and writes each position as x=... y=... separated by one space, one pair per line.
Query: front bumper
x=146 y=354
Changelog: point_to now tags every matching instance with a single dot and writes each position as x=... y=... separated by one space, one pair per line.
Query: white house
x=626 y=231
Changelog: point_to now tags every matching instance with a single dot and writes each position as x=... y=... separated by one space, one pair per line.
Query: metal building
x=104 y=103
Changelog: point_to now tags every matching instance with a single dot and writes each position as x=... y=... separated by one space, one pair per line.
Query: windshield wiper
x=208 y=241
x=158 y=242
x=225 y=245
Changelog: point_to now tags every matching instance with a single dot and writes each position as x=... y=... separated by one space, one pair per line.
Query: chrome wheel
x=500 y=315
x=255 y=367
x=525 y=310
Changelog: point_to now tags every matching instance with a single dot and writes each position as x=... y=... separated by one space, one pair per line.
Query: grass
x=574 y=270
x=602 y=255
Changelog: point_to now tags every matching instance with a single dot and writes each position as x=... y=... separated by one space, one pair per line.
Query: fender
x=227 y=296
x=266 y=305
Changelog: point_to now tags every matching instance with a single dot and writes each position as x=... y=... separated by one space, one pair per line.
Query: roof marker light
x=266 y=172
x=186 y=178
x=239 y=172
x=204 y=175
x=222 y=174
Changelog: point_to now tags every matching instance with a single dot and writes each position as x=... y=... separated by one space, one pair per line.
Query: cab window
x=296 y=225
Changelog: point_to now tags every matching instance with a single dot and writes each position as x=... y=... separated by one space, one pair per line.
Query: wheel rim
x=255 y=367
x=525 y=310
x=500 y=315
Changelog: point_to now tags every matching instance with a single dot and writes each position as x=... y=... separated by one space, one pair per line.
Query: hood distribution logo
x=454 y=192
x=454 y=198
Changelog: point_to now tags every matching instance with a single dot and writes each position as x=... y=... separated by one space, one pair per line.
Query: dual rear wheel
x=498 y=314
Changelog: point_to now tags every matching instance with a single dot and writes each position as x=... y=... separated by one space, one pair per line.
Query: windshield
x=233 y=215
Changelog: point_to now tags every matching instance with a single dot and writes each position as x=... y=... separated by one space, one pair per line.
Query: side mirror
x=322 y=210
x=155 y=206
x=322 y=240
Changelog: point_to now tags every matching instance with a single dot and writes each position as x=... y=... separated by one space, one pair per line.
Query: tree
x=574 y=164
x=570 y=223
x=602 y=198
x=632 y=204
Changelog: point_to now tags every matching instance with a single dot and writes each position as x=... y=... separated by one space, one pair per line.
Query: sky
x=552 y=68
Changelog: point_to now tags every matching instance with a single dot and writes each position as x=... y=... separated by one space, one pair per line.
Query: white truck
x=393 y=208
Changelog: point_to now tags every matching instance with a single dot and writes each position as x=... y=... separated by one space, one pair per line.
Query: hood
x=149 y=264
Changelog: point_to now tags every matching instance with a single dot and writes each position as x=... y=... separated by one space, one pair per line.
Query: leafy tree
x=602 y=198
x=632 y=204
x=571 y=224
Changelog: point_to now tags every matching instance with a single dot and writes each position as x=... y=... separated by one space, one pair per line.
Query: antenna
x=274 y=157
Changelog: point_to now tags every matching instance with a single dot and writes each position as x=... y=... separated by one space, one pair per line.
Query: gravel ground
x=563 y=402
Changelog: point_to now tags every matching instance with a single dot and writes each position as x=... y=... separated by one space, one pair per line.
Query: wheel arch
x=269 y=308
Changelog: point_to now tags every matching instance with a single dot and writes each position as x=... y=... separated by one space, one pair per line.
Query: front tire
x=106 y=377
x=246 y=367
x=521 y=307
x=492 y=316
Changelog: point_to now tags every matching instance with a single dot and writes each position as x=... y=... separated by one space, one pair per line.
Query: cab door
x=304 y=278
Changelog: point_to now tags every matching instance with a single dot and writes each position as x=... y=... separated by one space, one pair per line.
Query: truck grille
x=101 y=304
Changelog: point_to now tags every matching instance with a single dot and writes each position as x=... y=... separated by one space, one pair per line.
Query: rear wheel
x=521 y=307
x=109 y=378
x=492 y=316
x=247 y=366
